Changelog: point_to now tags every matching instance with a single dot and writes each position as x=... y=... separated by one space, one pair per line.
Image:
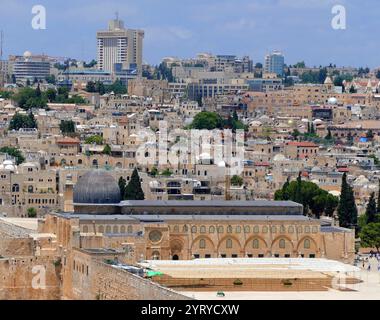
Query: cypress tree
x=298 y=191
x=342 y=207
x=370 y=211
x=378 y=200
x=285 y=191
x=122 y=185
x=133 y=190
x=347 y=210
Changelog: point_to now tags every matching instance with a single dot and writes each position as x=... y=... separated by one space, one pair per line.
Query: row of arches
x=254 y=246
x=109 y=229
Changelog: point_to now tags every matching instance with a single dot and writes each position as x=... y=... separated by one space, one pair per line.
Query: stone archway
x=176 y=247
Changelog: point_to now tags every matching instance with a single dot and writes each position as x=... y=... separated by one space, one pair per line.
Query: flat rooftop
x=249 y=267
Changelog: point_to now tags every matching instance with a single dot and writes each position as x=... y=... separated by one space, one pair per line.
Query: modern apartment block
x=30 y=67
x=274 y=63
x=119 y=47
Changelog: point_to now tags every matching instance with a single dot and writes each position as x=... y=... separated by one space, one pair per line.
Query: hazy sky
x=300 y=28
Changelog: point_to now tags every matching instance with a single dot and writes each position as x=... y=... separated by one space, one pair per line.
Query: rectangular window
x=223 y=255
x=311 y=255
x=234 y=255
x=261 y=255
x=207 y=256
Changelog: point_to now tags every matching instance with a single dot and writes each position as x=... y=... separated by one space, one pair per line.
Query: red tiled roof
x=262 y=164
x=304 y=144
x=68 y=140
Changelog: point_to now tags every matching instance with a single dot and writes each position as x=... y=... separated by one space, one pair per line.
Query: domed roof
x=332 y=100
x=97 y=186
x=27 y=54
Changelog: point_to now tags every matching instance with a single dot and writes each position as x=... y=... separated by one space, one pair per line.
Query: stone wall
x=92 y=279
x=18 y=275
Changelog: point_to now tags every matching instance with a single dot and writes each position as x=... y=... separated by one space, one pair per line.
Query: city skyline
x=185 y=29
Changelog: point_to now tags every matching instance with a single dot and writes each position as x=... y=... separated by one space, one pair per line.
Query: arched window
x=193 y=229
x=306 y=244
x=229 y=229
x=229 y=244
x=307 y=229
x=265 y=229
x=122 y=229
x=211 y=229
x=247 y=229
x=95 y=162
x=315 y=230
x=176 y=228
x=274 y=229
x=255 y=244
x=299 y=229
x=202 y=229
x=108 y=229
x=80 y=161
x=155 y=255
x=85 y=229
x=220 y=229
x=256 y=229
x=15 y=188
x=101 y=229
x=291 y=229
x=115 y=229
x=185 y=228
x=282 y=244
x=202 y=244
x=282 y=229
x=238 y=229
x=129 y=229
x=30 y=189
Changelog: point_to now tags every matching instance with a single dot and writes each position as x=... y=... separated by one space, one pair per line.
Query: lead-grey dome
x=96 y=186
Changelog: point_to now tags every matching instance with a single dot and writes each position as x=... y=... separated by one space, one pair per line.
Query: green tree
x=107 y=150
x=369 y=134
x=371 y=210
x=51 y=79
x=154 y=172
x=67 y=126
x=370 y=236
x=207 y=120
x=19 y=121
x=237 y=181
x=331 y=204
x=122 y=186
x=95 y=139
x=32 y=213
x=347 y=210
x=329 y=135
x=133 y=190
x=90 y=86
x=51 y=95
x=308 y=194
x=13 y=152
x=167 y=173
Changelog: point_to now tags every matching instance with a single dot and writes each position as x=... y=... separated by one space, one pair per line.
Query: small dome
x=9 y=167
x=332 y=100
x=316 y=169
x=97 y=186
x=27 y=54
x=221 y=164
x=7 y=162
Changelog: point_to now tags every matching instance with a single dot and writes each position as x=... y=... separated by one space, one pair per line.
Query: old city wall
x=17 y=276
x=108 y=283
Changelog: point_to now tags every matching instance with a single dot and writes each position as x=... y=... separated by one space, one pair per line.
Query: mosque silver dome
x=97 y=187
